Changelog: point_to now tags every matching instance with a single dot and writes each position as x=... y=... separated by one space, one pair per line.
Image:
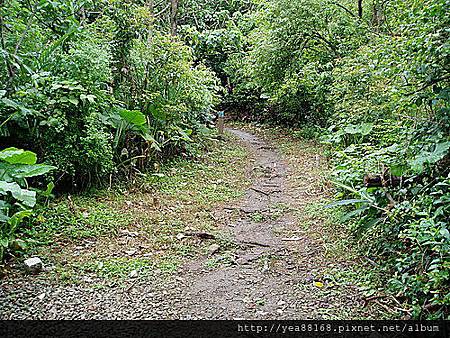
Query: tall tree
x=173 y=17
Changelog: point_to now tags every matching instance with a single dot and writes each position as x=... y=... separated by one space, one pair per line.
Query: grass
x=308 y=180
x=257 y=217
x=106 y=235
x=224 y=260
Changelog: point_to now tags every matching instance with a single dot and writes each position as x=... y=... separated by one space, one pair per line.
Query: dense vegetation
x=373 y=83
x=103 y=89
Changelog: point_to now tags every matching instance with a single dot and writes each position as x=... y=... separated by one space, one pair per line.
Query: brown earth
x=277 y=269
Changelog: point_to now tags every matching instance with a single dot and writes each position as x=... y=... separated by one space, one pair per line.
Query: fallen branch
x=260 y=191
x=202 y=235
x=368 y=299
x=255 y=244
x=267 y=193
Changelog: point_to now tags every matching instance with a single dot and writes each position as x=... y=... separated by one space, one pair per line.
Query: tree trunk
x=8 y=65
x=151 y=6
x=360 y=9
x=377 y=15
x=173 y=17
x=382 y=181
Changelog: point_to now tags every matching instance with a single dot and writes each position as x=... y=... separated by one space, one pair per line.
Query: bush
x=91 y=94
x=379 y=84
x=17 y=198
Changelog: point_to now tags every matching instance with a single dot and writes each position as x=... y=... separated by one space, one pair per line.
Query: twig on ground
x=255 y=243
x=260 y=191
x=203 y=235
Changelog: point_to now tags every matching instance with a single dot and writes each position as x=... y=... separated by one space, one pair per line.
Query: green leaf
x=427 y=157
x=74 y=100
x=10 y=103
x=157 y=112
x=445 y=233
x=354 y=213
x=398 y=169
x=3 y=217
x=56 y=86
x=90 y=98
x=18 y=217
x=134 y=117
x=4 y=242
x=345 y=202
x=18 y=156
x=49 y=189
x=363 y=129
x=32 y=170
x=24 y=196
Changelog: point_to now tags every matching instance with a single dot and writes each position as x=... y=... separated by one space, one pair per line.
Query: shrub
x=17 y=198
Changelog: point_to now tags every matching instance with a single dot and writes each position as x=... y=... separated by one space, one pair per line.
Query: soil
x=274 y=272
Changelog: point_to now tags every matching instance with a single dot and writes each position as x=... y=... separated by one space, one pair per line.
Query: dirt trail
x=271 y=276
x=268 y=276
x=249 y=284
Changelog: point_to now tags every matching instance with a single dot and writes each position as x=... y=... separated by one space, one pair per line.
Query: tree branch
x=433 y=82
x=344 y=8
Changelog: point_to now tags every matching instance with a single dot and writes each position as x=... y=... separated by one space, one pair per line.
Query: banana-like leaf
x=18 y=156
x=32 y=170
x=133 y=117
x=24 y=196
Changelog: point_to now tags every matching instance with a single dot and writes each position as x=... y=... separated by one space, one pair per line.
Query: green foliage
x=17 y=199
x=98 y=88
x=379 y=84
x=90 y=93
x=217 y=32
x=294 y=46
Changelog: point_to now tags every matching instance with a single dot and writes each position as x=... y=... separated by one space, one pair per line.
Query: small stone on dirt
x=41 y=296
x=133 y=274
x=87 y=279
x=292 y=239
x=180 y=236
x=33 y=265
x=128 y=233
x=213 y=248
x=242 y=261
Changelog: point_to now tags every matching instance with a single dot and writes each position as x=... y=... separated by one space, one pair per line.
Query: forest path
x=254 y=280
x=278 y=270
x=274 y=265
